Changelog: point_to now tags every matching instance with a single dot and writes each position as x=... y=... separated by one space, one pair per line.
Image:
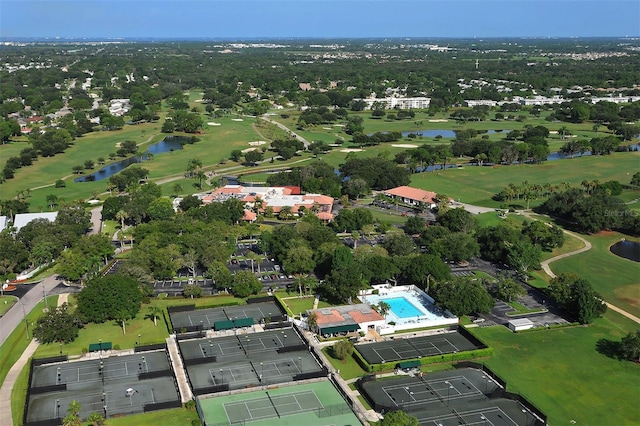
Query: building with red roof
x=258 y=199
x=340 y=320
x=412 y=196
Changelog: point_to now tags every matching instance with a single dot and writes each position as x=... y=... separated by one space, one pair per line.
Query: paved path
x=12 y=376
x=587 y=247
x=286 y=129
x=178 y=368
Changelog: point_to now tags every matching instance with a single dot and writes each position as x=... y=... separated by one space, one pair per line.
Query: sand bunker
x=439 y=120
x=404 y=145
x=351 y=150
x=211 y=123
x=257 y=143
x=249 y=149
x=237 y=119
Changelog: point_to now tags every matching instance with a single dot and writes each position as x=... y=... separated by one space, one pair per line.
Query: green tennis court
x=309 y=404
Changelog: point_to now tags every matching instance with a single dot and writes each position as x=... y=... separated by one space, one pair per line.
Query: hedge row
x=436 y=359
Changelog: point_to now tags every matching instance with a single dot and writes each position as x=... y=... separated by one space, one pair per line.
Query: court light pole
x=300 y=363
x=58 y=408
x=482 y=417
x=221 y=377
x=104 y=401
x=139 y=339
x=144 y=364
x=526 y=413
x=59 y=375
x=60 y=349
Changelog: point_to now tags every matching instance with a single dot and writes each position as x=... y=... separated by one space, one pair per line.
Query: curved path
x=587 y=247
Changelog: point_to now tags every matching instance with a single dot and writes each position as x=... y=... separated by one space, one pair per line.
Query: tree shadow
x=609 y=348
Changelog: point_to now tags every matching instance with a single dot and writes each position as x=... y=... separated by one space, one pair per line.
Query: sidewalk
x=12 y=376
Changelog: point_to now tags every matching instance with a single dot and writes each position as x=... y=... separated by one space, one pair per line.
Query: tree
x=458 y=220
x=73 y=415
x=245 y=283
x=58 y=325
x=463 y=296
x=96 y=419
x=630 y=346
x=122 y=216
x=154 y=313
x=160 y=209
x=523 y=255
x=342 y=349
x=312 y=320
x=192 y=291
x=121 y=316
x=112 y=297
x=506 y=289
x=383 y=308
x=398 y=418
x=576 y=296
x=414 y=225
x=298 y=258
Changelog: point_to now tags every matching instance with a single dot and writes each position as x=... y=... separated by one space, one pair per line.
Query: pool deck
x=430 y=316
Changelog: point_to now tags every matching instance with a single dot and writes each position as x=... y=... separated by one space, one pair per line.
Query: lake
x=627 y=249
x=168 y=144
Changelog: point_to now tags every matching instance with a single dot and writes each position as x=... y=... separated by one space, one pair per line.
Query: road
x=286 y=129
x=15 y=316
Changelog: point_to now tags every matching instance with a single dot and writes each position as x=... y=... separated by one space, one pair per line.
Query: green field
x=6 y=302
x=562 y=373
x=477 y=185
x=141 y=325
x=302 y=304
x=615 y=278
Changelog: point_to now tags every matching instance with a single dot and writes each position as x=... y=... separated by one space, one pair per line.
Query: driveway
x=14 y=316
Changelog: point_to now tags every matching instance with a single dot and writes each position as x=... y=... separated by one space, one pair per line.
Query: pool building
x=409 y=308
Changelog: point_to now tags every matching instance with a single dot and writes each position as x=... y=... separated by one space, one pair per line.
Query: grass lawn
x=615 y=278
x=302 y=304
x=19 y=395
x=561 y=372
x=174 y=417
x=141 y=325
x=488 y=181
x=571 y=243
x=17 y=341
x=6 y=302
x=349 y=368
x=494 y=219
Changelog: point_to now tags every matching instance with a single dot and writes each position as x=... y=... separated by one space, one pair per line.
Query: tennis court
x=415 y=347
x=464 y=396
x=309 y=404
x=218 y=318
x=248 y=360
x=110 y=386
x=239 y=344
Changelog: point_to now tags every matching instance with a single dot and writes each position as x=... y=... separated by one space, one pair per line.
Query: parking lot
x=268 y=272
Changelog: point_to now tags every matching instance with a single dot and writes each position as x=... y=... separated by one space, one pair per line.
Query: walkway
x=12 y=376
x=178 y=368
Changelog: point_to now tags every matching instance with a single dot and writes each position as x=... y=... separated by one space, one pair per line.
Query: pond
x=432 y=133
x=168 y=144
x=627 y=249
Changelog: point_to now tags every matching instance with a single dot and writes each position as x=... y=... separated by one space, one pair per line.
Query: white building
x=520 y=324
x=397 y=103
x=22 y=219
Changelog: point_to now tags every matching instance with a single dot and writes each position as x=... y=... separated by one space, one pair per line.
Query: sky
x=256 y=19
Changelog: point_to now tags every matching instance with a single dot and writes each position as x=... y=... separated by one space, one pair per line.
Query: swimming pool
x=403 y=308
x=409 y=308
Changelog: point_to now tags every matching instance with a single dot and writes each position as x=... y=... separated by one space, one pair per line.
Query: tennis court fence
x=333 y=410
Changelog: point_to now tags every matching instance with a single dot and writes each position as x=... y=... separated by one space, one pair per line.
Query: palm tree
x=154 y=313
x=52 y=200
x=200 y=175
x=383 y=309
x=122 y=215
x=253 y=256
x=177 y=189
x=73 y=414
x=286 y=213
x=121 y=316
